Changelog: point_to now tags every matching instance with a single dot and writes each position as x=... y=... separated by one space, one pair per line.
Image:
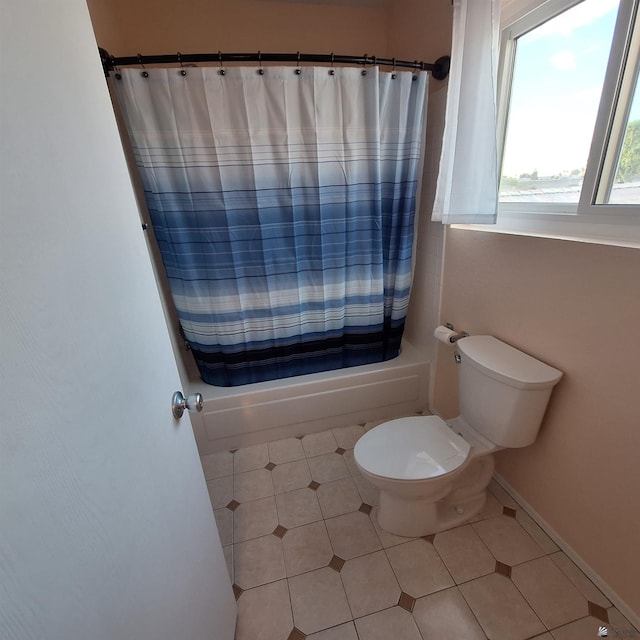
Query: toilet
x=433 y=474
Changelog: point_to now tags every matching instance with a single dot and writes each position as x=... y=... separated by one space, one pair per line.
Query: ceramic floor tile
x=446 y=616
x=370 y=584
x=328 y=467
x=220 y=491
x=352 y=535
x=368 y=493
x=507 y=540
x=306 y=548
x=318 y=600
x=580 y=580
x=258 y=561
x=530 y=526
x=349 y=460
x=291 y=476
x=341 y=632
x=391 y=623
x=217 y=465
x=419 y=569
x=492 y=507
x=298 y=507
x=287 y=450
x=346 y=437
x=224 y=522
x=346 y=567
x=252 y=485
x=582 y=629
x=228 y=556
x=387 y=539
x=254 y=519
x=338 y=497
x=464 y=553
x=264 y=613
x=316 y=444
x=374 y=423
x=250 y=458
x=500 y=608
x=550 y=593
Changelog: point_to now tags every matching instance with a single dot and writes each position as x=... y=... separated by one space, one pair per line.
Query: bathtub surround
x=253 y=414
x=308 y=559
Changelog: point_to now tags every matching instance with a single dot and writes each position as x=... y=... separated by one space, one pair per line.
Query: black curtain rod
x=439 y=69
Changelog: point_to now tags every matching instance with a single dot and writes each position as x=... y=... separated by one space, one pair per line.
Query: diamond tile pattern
x=407 y=602
x=321 y=567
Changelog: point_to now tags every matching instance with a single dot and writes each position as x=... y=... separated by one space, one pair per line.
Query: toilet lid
x=413 y=448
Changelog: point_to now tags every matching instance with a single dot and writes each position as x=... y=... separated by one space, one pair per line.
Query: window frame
x=590 y=220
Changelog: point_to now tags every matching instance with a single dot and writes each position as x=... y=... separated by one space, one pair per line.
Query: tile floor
x=307 y=559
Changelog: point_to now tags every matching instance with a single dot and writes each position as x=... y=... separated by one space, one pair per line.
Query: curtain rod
x=439 y=69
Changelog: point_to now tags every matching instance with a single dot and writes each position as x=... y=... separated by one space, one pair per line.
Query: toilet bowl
x=432 y=474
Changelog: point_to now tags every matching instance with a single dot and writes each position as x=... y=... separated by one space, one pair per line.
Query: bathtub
x=241 y=416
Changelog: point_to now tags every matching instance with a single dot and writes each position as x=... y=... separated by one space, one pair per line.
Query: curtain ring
x=393 y=69
x=144 y=73
x=298 y=70
x=364 y=64
x=182 y=70
x=222 y=71
x=415 y=68
x=260 y=70
x=332 y=71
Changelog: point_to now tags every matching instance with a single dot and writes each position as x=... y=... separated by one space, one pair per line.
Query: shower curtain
x=283 y=202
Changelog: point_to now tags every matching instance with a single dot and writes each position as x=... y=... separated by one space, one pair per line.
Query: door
x=106 y=530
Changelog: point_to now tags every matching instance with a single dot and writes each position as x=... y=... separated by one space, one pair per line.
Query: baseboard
x=617 y=601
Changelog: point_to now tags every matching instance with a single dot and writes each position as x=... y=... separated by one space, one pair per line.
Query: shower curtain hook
x=364 y=64
x=260 y=70
x=222 y=71
x=298 y=69
x=393 y=69
x=115 y=67
x=144 y=73
x=415 y=68
x=332 y=71
x=182 y=70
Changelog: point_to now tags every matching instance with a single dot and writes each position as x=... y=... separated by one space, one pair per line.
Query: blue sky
x=560 y=68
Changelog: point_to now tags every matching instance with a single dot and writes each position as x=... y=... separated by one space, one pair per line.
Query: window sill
x=625 y=232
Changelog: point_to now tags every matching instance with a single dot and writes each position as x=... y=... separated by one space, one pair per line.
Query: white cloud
x=563 y=60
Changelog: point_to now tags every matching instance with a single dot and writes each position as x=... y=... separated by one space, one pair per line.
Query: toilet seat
x=415 y=448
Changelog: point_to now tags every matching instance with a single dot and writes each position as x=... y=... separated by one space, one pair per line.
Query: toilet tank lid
x=507 y=364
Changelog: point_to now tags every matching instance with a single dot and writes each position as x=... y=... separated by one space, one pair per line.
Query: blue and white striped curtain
x=284 y=206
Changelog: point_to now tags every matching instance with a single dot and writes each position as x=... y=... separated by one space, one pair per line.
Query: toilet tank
x=503 y=391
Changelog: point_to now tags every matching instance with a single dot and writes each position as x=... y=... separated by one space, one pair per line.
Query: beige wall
x=128 y=27
x=575 y=306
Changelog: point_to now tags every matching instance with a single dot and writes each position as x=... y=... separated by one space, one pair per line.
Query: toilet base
x=417 y=518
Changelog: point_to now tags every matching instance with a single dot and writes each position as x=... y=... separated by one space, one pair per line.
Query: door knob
x=179 y=403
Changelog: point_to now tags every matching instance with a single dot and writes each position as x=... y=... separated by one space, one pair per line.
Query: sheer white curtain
x=467 y=190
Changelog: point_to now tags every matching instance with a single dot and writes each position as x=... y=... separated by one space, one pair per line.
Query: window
x=569 y=120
